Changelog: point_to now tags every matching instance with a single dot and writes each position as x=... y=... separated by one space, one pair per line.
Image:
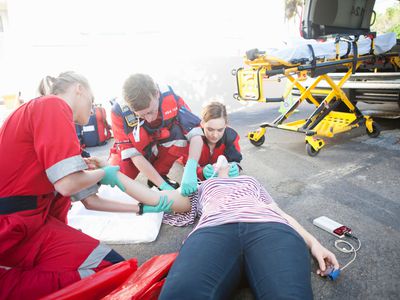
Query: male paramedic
x=152 y=128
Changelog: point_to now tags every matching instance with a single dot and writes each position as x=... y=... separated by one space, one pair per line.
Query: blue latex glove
x=189 y=178
x=163 y=205
x=208 y=171
x=233 y=170
x=111 y=177
x=166 y=187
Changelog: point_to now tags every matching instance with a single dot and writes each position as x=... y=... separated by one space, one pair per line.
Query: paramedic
x=153 y=128
x=41 y=167
x=219 y=139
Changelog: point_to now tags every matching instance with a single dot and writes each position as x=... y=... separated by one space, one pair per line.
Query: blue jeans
x=273 y=256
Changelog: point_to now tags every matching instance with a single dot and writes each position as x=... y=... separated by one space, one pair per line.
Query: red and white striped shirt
x=232 y=200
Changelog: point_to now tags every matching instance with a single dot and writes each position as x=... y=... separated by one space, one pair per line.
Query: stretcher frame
x=324 y=121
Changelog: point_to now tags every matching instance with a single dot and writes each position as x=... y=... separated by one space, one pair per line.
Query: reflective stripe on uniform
x=93 y=260
x=79 y=196
x=65 y=167
x=176 y=143
x=194 y=132
x=164 y=88
x=130 y=152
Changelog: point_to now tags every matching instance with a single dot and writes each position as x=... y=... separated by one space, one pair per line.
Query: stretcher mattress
x=327 y=50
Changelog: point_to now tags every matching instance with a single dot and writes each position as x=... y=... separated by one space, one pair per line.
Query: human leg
x=56 y=256
x=277 y=262
x=208 y=265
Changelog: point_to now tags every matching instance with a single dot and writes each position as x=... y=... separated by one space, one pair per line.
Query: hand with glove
x=163 y=206
x=111 y=177
x=208 y=171
x=233 y=170
x=166 y=187
x=189 y=178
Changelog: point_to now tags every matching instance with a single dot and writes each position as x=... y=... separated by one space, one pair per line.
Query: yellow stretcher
x=325 y=120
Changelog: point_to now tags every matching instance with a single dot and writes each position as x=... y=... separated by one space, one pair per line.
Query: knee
x=177 y=287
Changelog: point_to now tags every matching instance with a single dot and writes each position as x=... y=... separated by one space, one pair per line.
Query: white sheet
x=327 y=50
x=115 y=228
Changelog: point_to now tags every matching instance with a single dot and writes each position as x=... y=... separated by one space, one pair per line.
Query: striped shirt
x=228 y=200
x=232 y=200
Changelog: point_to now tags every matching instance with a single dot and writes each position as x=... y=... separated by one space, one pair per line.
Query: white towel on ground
x=115 y=228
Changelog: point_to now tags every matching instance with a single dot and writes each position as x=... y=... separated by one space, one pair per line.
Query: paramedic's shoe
x=85 y=154
x=171 y=182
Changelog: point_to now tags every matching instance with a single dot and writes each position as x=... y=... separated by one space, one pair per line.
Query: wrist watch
x=140 y=208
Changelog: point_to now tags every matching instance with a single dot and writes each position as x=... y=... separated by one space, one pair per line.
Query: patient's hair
x=139 y=90
x=214 y=110
x=59 y=85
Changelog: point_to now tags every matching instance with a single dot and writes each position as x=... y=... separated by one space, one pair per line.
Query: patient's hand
x=324 y=257
x=95 y=162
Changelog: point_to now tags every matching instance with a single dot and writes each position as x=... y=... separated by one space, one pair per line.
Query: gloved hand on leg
x=163 y=205
x=166 y=187
x=111 y=177
x=208 y=171
x=233 y=170
x=189 y=178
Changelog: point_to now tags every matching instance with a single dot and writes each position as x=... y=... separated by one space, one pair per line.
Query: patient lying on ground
x=241 y=230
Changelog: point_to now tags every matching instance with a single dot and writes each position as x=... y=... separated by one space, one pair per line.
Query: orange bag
x=97 y=285
x=147 y=281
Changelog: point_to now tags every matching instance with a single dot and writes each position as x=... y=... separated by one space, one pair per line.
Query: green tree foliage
x=292 y=8
x=388 y=21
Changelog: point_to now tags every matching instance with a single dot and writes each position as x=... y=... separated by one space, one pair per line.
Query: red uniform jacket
x=175 y=125
x=228 y=146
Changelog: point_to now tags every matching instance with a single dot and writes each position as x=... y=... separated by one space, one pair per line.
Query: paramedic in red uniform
x=152 y=129
x=219 y=139
x=41 y=167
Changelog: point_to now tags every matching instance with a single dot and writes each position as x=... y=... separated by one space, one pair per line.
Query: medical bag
x=97 y=131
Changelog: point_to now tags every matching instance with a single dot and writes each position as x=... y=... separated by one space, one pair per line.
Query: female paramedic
x=241 y=229
x=219 y=139
x=41 y=167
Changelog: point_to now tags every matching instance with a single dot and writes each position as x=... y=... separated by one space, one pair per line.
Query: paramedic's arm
x=151 y=197
x=145 y=167
x=321 y=254
x=75 y=182
x=95 y=202
x=195 y=147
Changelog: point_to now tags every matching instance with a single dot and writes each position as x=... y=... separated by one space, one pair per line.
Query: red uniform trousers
x=40 y=252
x=162 y=162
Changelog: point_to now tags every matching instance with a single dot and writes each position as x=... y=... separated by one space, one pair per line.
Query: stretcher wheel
x=259 y=142
x=376 y=130
x=311 y=151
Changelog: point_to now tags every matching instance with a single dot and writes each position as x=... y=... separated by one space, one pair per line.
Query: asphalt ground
x=354 y=180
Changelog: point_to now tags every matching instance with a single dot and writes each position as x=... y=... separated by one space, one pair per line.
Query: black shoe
x=171 y=182
x=85 y=154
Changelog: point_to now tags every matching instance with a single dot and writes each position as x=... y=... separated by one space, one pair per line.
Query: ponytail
x=56 y=86
x=45 y=85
